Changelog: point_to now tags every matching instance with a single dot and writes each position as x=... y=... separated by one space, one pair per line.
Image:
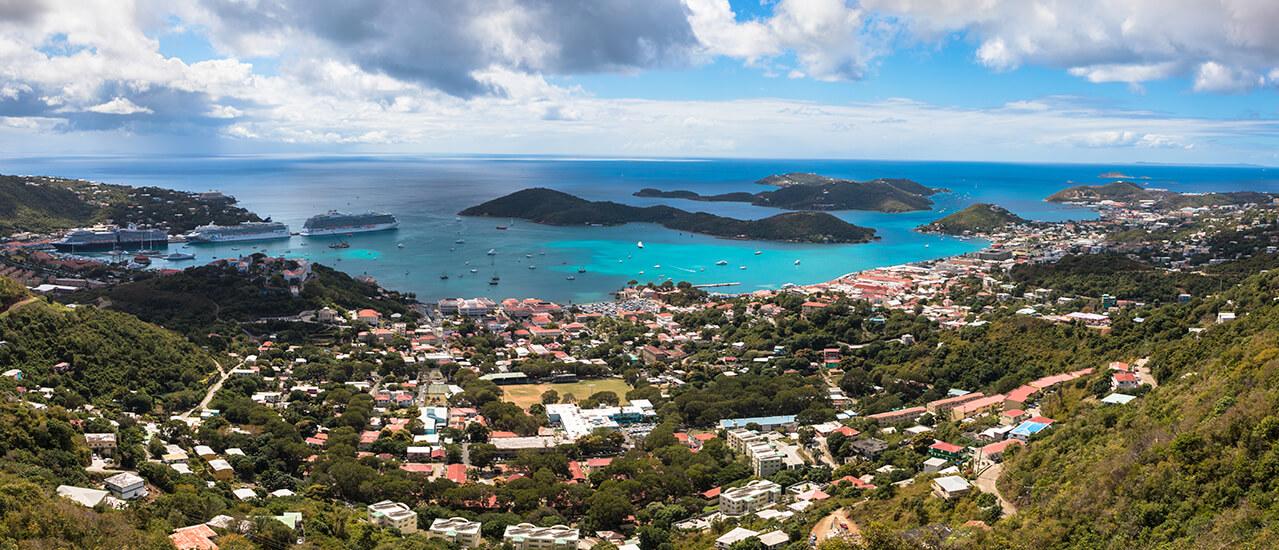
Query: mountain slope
x=1120 y=190
x=980 y=217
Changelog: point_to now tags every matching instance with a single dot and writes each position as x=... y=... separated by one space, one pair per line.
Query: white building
x=754 y=496
x=126 y=486
x=527 y=536
x=387 y=514
x=735 y=536
x=463 y=532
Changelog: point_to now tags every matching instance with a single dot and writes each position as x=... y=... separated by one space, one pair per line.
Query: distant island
x=1115 y=175
x=978 y=218
x=804 y=191
x=551 y=207
x=1126 y=191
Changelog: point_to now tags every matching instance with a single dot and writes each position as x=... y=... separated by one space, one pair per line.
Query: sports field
x=525 y=395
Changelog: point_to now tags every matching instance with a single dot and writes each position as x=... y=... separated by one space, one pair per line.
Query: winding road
x=988 y=482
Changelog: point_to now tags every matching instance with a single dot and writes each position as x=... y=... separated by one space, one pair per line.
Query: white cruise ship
x=245 y=231
x=338 y=223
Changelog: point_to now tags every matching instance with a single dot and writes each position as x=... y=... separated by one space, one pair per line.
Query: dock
x=715 y=285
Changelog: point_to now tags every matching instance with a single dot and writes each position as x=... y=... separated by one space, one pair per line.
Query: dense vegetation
x=1184 y=200
x=800 y=191
x=112 y=357
x=39 y=207
x=200 y=298
x=556 y=208
x=1113 y=274
x=978 y=218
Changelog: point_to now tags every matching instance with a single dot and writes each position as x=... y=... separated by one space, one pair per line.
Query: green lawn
x=525 y=395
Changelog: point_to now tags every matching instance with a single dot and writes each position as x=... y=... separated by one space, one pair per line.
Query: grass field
x=525 y=395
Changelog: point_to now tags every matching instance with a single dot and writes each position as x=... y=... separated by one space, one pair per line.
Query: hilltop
x=803 y=191
x=557 y=208
x=978 y=218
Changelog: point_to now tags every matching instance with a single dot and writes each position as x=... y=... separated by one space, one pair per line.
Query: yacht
x=570 y=277
x=179 y=256
x=796 y=262
x=640 y=244
x=722 y=262
x=492 y=252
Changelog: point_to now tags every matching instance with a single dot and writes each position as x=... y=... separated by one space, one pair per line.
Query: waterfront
x=426 y=193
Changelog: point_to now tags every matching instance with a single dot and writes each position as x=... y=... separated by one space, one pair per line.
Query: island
x=1129 y=192
x=1115 y=175
x=805 y=191
x=550 y=207
x=978 y=218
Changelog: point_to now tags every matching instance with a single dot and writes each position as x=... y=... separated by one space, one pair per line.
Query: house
x=1027 y=429
x=460 y=531
x=774 y=539
x=126 y=486
x=735 y=536
x=195 y=537
x=205 y=452
x=86 y=497
x=103 y=444
x=934 y=465
x=994 y=453
x=870 y=448
x=951 y=487
x=945 y=451
x=527 y=536
x=1012 y=417
x=221 y=469
x=387 y=514
x=369 y=316
x=898 y=416
x=942 y=407
x=977 y=406
x=1123 y=381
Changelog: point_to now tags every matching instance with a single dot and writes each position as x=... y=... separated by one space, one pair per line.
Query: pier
x=714 y=285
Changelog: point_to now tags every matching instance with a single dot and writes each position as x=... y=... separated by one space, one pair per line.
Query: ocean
x=425 y=194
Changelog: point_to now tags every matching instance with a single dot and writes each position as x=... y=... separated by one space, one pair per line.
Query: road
x=828 y=527
x=1143 y=373
x=212 y=390
x=987 y=482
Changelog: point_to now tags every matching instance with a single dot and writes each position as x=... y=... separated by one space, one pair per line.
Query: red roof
x=713 y=493
x=849 y=432
x=195 y=536
x=946 y=447
x=1014 y=412
x=995 y=448
x=498 y=435
x=1124 y=377
x=1041 y=420
x=704 y=437
x=456 y=473
x=598 y=462
x=417 y=468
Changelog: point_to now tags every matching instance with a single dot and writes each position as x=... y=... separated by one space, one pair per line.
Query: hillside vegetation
x=978 y=218
x=1119 y=190
x=39 y=208
x=801 y=191
x=557 y=208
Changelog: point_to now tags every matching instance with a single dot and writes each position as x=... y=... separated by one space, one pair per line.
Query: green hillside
x=556 y=208
x=1184 y=200
x=980 y=217
x=801 y=191
x=40 y=207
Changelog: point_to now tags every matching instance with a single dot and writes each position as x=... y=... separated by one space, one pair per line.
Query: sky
x=1168 y=81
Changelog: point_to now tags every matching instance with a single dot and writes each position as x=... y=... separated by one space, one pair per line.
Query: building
x=754 y=496
x=103 y=444
x=195 y=537
x=1123 y=381
x=461 y=531
x=942 y=407
x=869 y=448
x=994 y=453
x=951 y=487
x=977 y=406
x=1012 y=417
x=735 y=536
x=387 y=514
x=1027 y=429
x=899 y=416
x=126 y=486
x=86 y=497
x=945 y=451
x=527 y=536
x=934 y=465
x=766 y=423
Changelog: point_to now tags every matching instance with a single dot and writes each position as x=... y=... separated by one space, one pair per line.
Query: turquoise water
x=426 y=193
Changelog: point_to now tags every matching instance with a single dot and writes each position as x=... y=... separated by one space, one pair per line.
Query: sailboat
x=492 y=252
x=581 y=269
x=640 y=244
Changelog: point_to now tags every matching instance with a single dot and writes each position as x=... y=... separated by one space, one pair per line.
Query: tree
x=482 y=455
x=550 y=397
x=650 y=538
x=608 y=510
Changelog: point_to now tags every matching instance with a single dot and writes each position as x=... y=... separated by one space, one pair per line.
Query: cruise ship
x=338 y=223
x=110 y=237
x=245 y=231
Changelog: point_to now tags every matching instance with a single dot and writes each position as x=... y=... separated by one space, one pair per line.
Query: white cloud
x=1217 y=78
x=119 y=106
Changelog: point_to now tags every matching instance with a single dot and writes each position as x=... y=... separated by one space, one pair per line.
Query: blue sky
x=1027 y=80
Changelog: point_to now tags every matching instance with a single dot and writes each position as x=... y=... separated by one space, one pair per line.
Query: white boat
x=475 y=271
x=492 y=252
x=570 y=277
x=460 y=241
x=722 y=262
x=640 y=244
x=757 y=253
x=531 y=266
x=179 y=256
x=796 y=262
x=401 y=245
x=657 y=266
x=743 y=267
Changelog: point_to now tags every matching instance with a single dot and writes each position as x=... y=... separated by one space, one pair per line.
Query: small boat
x=179 y=256
x=496 y=278
x=141 y=259
x=541 y=253
x=581 y=269
x=757 y=253
x=475 y=271
x=444 y=275
x=492 y=252
x=459 y=218
x=335 y=245
x=501 y=227
x=492 y=282
x=528 y=255
x=742 y=267
x=796 y=262
x=722 y=262
x=641 y=273
x=657 y=266
x=401 y=245
x=451 y=249
x=460 y=241
x=349 y=235
x=531 y=266
x=570 y=277
x=235 y=248
x=640 y=244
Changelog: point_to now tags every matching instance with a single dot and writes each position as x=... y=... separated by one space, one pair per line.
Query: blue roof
x=730 y=423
